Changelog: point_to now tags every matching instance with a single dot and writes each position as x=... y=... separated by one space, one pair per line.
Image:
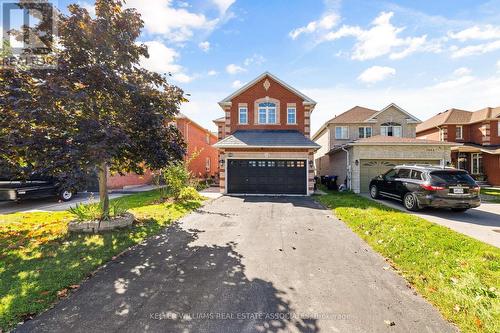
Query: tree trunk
x=103 y=190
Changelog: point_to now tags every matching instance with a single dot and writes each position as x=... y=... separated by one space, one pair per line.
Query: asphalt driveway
x=482 y=223
x=254 y=264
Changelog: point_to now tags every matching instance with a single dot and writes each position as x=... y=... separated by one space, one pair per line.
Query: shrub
x=189 y=193
x=177 y=177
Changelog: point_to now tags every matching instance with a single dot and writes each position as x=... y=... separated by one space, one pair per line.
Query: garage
x=266 y=176
x=372 y=168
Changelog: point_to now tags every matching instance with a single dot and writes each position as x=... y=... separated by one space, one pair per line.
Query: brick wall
x=491 y=165
x=196 y=138
x=117 y=181
x=275 y=91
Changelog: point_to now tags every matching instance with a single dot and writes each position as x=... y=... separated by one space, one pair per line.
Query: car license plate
x=458 y=191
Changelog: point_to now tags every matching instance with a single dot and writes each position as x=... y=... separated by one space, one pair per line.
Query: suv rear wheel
x=410 y=202
x=374 y=192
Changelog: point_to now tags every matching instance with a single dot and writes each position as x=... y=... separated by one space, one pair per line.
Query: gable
x=395 y=111
x=263 y=83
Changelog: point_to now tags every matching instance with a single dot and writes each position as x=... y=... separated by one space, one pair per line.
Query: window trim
x=208 y=164
x=239 y=115
x=392 y=126
x=498 y=128
x=461 y=137
x=347 y=133
x=267 y=109
x=288 y=109
x=364 y=132
x=476 y=157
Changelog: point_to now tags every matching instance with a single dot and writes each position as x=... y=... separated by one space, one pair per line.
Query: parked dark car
x=420 y=186
x=34 y=188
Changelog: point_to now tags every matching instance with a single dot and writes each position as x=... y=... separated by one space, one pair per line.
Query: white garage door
x=372 y=168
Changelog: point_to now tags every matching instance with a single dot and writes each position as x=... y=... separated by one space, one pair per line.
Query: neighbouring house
x=264 y=142
x=199 y=142
x=362 y=143
x=479 y=135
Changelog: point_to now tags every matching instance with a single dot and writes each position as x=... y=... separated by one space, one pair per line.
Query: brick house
x=198 y=139
x=264 y=143
x=362 y=143
x=479 y=135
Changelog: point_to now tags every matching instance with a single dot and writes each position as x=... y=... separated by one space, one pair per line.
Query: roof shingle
x=266 y=138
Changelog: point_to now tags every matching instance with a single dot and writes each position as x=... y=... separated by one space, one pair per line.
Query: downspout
x=348 y=166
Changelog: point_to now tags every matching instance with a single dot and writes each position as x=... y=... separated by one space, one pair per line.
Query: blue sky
x=426 y=56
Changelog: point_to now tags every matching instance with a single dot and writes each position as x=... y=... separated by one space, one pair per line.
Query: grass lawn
x=491 y=195
x=458 y=274
x=40 y=261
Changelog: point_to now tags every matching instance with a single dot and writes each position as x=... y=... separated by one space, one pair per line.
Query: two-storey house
x=362 y=143
x=264 y=145
x=479 y=133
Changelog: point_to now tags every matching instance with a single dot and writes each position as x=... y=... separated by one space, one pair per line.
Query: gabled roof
x=459 y=117
x=228 y=99
x=219 y=120
x=181 y=115
x=267 y=139
x=358 y=115
x=393 y=105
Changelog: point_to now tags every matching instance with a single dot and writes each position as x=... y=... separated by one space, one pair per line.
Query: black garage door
x=267 y=176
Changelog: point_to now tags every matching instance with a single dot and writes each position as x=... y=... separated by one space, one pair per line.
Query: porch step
x=483 y=183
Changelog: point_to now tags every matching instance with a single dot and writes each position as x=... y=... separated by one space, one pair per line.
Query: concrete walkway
x=247 y=264
x=482 y=223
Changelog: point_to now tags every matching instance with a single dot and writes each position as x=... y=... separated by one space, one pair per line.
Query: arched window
x=267 y=113
x=391 y=129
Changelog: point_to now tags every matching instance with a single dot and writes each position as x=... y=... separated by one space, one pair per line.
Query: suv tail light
x=476 y=189
x=431 y=187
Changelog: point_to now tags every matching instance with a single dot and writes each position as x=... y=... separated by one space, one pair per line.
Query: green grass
x=39 y=258
x=458 y=274
x=490 y=195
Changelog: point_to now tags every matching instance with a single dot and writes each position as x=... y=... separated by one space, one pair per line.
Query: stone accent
x=93 y=226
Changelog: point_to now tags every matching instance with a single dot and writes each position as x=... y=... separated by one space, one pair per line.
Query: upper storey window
x=243 y=115
x=391 y=129
x=267 y=113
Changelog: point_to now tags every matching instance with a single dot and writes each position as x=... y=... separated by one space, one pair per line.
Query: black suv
x=420 y=186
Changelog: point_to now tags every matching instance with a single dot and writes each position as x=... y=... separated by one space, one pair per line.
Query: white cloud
x=234 y=69
x=455 y=82
x=423 y=102
x=327 y=22
x=462 y=71
x=498 y=66
x=477 y=33
x=223 y=5
x=175 y=24
x=376 y=74
x=237 y=84
x=182 y=78
x=161 y=58
x=381 y=39
x=212 y=72
x=204 y=46
x=256 y=60
x=459 y=52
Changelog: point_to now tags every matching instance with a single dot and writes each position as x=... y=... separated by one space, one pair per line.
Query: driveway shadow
x=169 y=284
